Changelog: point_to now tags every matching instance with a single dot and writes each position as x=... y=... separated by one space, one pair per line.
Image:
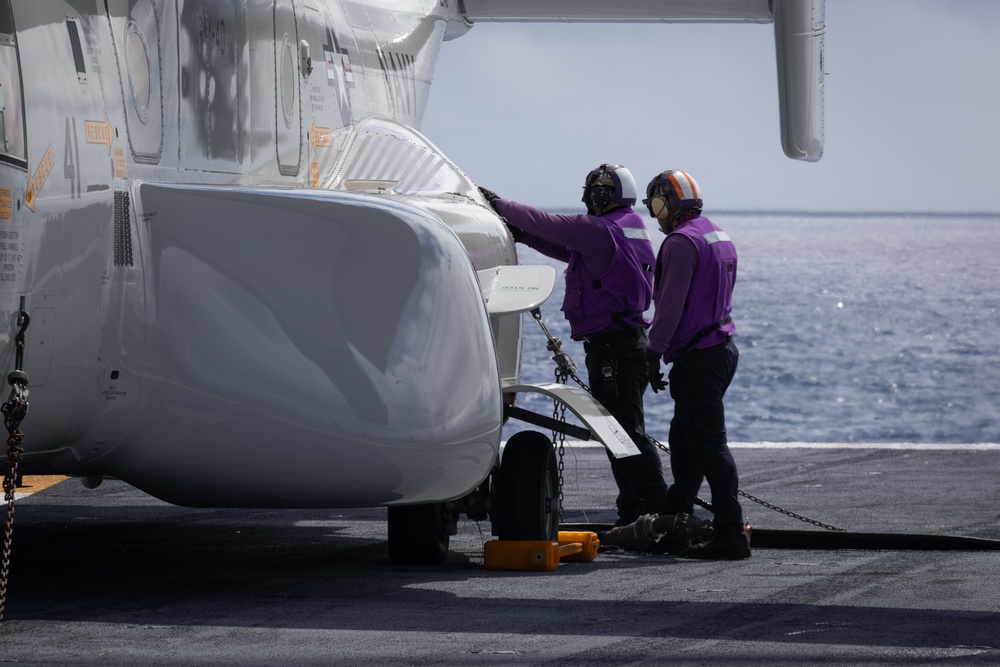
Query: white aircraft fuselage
x=251 y=281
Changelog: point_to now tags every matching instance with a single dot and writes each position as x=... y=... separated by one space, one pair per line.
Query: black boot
x=725 y=545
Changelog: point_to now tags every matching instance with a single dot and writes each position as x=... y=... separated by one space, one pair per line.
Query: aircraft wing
x=758 y=11
x=798 y=33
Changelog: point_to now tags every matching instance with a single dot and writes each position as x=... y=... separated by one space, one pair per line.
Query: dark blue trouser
x=641 y=487
x=698 y=445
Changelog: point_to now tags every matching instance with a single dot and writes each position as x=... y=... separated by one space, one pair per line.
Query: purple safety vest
x=599 y=304
x=710 y=297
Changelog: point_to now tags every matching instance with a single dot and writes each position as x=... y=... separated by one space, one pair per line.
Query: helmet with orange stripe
x=673 y=196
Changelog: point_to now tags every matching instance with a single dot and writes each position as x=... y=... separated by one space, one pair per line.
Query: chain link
x=565 y=366
x=559 y=440
x=770 y=506
x=781 y=510
x=14 y=411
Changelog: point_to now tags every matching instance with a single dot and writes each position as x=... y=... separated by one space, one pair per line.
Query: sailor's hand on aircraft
x=490 y=196
x=656 y=380
x=515 y=232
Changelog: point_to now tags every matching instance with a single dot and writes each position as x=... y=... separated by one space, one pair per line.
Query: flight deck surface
x=114 y=577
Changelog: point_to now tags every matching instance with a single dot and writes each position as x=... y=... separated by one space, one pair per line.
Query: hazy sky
x=912 y=109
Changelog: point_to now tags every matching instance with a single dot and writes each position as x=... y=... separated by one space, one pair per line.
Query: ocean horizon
x=852 y=328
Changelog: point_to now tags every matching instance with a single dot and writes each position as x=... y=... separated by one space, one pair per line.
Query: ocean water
x=851 y=328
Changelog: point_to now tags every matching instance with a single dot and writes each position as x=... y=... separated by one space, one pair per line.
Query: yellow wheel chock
x=541 y=555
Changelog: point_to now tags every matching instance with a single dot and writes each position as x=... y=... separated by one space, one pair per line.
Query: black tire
x=528 y=489
x=418 y=534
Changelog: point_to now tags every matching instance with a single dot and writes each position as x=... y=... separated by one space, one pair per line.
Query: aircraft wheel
x=528 y=489
x=418 y=534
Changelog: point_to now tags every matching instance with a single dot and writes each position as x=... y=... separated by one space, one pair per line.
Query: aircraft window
x=6 y=19
x=287 y=81
x=137 y=61
x=74 y=42
x=11 y=117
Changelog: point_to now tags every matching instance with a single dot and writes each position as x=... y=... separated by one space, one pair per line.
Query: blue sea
x=851 y=328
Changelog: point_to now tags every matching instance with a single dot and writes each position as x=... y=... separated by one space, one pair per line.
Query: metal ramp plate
x=604 y=428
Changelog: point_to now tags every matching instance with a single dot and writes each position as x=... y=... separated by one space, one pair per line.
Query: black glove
x=491 y=197
x=656 y=380
x=515 y=232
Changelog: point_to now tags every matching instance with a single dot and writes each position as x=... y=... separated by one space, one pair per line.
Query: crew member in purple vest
x=609 y=285
x=692 y=329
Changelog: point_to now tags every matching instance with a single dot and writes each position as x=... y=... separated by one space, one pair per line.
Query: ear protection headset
x=599 y=196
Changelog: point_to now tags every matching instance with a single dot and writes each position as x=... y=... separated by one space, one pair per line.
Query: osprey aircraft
x=234 y=273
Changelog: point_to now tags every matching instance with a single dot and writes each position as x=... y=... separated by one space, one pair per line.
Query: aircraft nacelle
x=340 y=341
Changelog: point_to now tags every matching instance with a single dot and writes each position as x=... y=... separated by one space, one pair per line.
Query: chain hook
x=565 y=366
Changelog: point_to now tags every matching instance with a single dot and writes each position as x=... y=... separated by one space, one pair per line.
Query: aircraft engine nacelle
x=304 y=348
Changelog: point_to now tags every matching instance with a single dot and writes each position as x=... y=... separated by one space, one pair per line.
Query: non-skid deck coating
x=114 y=577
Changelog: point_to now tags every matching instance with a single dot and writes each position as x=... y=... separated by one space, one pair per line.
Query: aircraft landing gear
x=528 y=489
x=419 y=534
x=526 y=505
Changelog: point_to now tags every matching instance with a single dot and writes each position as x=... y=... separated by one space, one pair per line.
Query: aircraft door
x=288 y=114
x=136 y=28
x=13 y=169
x=12 y=148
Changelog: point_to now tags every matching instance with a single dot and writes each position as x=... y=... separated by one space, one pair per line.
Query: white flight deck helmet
x=609 y=187
x=671 y=195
